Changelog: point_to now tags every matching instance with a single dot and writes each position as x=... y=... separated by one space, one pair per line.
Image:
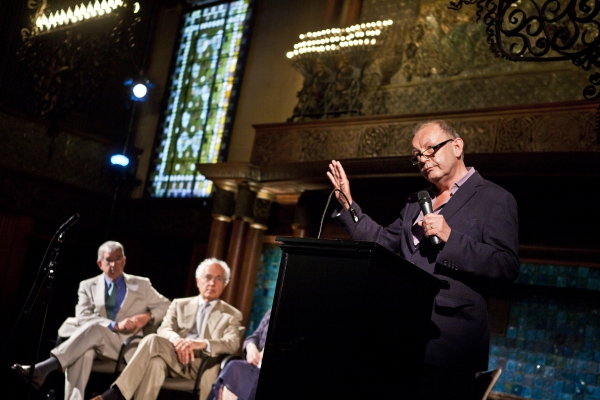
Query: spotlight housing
x=138 y=88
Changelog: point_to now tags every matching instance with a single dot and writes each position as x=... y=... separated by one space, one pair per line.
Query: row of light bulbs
x=333 y=39
x=79 y=13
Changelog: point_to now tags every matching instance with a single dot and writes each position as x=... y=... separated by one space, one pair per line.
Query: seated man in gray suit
x=112 y=306
x=194 y=328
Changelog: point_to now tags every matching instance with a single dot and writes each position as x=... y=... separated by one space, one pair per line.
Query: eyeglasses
x=217 y=279
x=428 y=152
x=112 y=260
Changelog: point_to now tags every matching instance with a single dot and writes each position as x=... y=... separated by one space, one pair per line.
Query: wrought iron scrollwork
x=553 y=30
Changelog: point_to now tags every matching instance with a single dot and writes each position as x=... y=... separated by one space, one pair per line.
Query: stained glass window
x=196 y=122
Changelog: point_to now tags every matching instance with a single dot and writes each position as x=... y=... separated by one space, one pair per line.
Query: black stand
x=349 y=321
x=44 y=278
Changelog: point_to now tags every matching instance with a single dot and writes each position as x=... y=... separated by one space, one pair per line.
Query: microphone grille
x=423 y=196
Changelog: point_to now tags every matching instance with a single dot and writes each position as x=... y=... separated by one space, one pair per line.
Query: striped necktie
x=110 y=302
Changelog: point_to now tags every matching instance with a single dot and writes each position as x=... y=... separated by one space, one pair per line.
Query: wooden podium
x=349 y=321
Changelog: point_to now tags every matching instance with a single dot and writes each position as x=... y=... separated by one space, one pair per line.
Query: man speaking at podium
x=462 y=229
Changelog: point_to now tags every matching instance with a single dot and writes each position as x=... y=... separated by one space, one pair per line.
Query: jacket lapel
x=189 y=313
x=131 y=287
x=213 y=319
x=98 y=293
x=412 y=212
x=462 y=196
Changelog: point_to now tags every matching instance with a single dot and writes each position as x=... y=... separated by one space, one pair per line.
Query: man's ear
x=458 y=147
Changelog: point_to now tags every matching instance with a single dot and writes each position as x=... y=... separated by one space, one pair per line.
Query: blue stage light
x=119 y=159
x=138 y=88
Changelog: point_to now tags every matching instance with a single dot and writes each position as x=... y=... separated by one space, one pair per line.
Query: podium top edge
x=296 y=244
x=339 y=242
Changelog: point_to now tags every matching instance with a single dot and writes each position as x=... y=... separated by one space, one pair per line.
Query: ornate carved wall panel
x=67 y=158
x=549 y=128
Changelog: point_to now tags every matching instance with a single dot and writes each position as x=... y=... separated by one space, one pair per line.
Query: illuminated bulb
x=140 y=90
x=119 y=159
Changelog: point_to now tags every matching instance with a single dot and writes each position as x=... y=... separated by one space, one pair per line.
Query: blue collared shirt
x=121 y=291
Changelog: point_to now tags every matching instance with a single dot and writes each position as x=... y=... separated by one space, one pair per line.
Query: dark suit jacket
x=482 y=249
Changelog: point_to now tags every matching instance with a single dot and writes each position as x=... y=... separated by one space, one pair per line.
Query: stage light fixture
x=120 y=160
x=139 y=88
x=139 y=91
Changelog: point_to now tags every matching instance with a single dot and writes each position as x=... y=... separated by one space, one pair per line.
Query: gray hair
x=108 y=247
x=209 y=261
x=444 y=126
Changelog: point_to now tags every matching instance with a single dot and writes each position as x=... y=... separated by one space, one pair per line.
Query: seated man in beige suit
x=111 y=307
x=194 y=328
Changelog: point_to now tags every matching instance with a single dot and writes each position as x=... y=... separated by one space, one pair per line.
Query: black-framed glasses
x=428 y=152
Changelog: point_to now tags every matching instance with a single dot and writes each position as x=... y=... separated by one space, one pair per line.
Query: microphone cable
x=350 y=209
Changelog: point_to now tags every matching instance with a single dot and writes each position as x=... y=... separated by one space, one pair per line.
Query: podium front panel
x=348 y=319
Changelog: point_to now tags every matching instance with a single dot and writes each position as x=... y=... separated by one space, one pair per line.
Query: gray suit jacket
x=141 y=297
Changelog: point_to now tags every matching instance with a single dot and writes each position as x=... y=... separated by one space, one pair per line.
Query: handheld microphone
x=425 y=203
x=74 y=218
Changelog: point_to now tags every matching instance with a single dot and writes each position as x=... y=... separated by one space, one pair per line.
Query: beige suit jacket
x=141 y=297
x=222 y=326
x=223 y=331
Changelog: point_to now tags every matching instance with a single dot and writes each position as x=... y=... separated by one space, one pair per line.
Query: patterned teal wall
x=551 y=350
x=264 y=289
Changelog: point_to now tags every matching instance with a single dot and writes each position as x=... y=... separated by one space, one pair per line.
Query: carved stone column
x=254 y=245
x=243 y=217
x=223 y=209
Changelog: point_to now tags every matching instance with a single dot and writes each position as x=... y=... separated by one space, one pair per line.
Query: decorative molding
x=543 y=128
